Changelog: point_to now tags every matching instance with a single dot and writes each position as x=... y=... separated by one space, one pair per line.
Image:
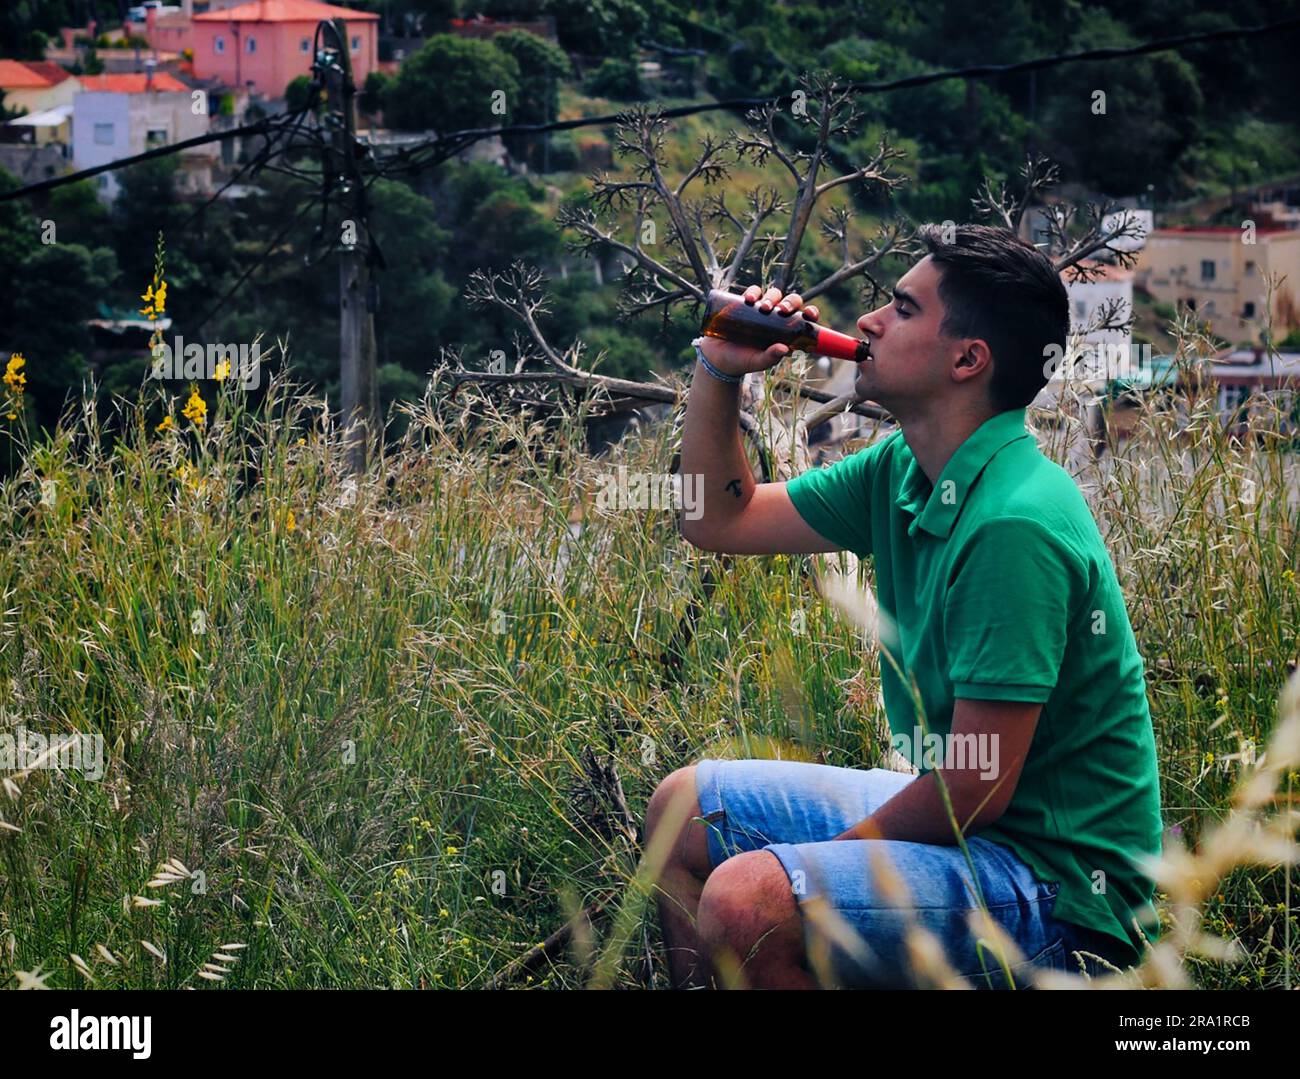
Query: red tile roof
x=30 y=74
x=285 y=11
x=133 y=84
x=49 y=69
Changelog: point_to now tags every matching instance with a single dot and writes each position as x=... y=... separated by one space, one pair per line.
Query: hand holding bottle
x=731 y=356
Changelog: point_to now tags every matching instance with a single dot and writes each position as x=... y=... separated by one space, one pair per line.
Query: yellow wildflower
x=196 y=409
x=453 y=850
x=167 y=423
x=160 y=297
x=13 y=376
x=222 y=370
x=290 y=521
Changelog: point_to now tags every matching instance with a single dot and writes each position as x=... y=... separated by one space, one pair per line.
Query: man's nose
x=870 y=323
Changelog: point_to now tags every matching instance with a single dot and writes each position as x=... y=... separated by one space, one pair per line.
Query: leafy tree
x=374 y=94
x=619 y=79
x=609 y=28
x=7 y=113
x=542 y=65
x=450 y=83
x=1152 y=111
x=50 y=293
x=415 y=298
x=297 y=95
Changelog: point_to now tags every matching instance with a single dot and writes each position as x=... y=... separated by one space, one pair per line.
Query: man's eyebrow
x=902 y=296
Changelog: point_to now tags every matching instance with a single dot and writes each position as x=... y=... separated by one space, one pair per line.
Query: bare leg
x=748 y=918
x=682 y=880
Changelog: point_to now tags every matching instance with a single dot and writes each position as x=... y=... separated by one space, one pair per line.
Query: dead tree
x=684 y=235
x=681 y=236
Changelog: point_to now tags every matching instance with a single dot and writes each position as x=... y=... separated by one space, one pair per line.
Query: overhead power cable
x=261 y=127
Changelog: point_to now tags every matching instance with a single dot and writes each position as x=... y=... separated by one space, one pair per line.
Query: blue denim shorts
x=794 y=810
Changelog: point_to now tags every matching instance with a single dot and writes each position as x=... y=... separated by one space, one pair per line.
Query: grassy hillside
x=392 y=734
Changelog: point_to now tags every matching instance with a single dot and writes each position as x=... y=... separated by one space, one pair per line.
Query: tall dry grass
x=394 y=732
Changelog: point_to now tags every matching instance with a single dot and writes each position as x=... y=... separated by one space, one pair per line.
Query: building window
x=218 y=44
x=252 y=44
x=1080 y=310
x=304 y=45
x=1233 y=398
x=1250 y=269
x=103 y=134
x=1248 y=310
x=156 y=137
x=356 y=44
x=1207 y=269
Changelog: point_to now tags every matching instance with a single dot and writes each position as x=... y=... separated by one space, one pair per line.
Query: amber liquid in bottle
x=727 y=316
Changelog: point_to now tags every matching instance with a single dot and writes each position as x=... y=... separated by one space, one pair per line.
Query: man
x=1010 y=643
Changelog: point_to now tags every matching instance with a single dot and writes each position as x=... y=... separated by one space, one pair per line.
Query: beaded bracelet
x=733 y=380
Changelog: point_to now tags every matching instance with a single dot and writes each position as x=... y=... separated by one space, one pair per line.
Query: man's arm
x=738 y=515
x=990 y=739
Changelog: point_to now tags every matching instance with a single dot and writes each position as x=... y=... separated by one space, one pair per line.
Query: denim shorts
x=794 y=810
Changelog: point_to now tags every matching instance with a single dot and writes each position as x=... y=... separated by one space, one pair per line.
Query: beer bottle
x=729 y=317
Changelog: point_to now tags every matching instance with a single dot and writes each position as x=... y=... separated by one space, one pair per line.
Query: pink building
x=266 y=44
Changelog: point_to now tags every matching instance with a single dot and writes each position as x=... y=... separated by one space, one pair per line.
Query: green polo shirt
x=999 y=587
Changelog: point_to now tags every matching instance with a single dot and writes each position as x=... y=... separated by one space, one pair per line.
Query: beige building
x=1222 y=273
x=36 y=85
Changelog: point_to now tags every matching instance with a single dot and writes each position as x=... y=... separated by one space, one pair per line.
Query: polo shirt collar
x=936 y=509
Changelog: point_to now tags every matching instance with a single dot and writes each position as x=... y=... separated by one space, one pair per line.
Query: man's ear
x=975 y=360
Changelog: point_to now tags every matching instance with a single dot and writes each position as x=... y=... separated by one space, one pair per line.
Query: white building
x=117 y=116
x=1109 y=290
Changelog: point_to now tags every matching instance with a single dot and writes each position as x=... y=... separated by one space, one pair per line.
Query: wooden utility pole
x=357 y=365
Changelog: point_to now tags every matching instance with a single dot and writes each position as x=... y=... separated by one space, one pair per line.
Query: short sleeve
x=835 y=500
x=1007 y=611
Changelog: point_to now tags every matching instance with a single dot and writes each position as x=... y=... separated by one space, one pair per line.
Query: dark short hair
x=996 y=287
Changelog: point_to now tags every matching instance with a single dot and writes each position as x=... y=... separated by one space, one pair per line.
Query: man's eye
x=900 y=308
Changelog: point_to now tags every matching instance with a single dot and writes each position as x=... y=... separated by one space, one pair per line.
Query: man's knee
x=746 y=899
x=676 y=800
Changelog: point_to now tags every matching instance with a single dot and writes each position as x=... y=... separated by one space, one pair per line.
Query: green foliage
x=7 y=113
x=374 y=94
x=358 y=768
x=51 y=291
x=415 y=301
x=542 y=65
x=449 y=83
x=297 y=95
x=618 y=79
x=608 y=28
x=1152 y=110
